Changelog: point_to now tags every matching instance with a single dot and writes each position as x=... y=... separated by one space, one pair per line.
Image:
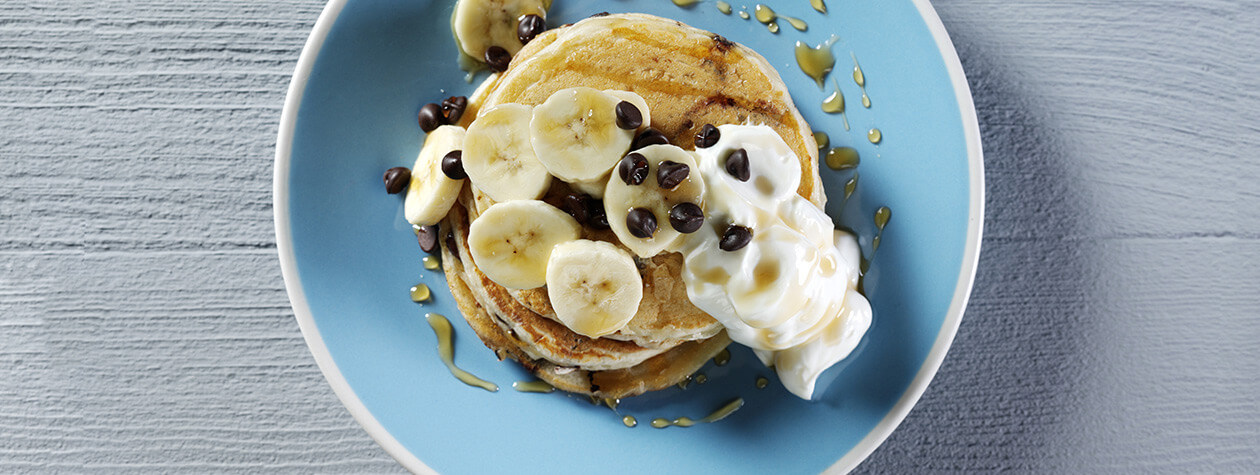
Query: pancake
x=689 y=78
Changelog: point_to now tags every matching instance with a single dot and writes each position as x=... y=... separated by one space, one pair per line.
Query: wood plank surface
x=1114 y=327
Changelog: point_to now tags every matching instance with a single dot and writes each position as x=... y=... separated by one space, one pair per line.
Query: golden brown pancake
x=689 y=78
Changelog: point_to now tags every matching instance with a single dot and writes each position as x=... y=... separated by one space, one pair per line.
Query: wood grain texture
x=1115 y=325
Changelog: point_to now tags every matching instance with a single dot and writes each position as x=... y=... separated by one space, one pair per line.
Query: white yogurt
x=790 y=294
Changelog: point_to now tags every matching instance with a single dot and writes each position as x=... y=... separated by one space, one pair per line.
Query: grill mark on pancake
x=721 y=44
x=721 y=100
x=680 y=89
x=761 y=108
x=692 y=45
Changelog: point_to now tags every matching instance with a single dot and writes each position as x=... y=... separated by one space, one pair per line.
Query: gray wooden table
x=1114 y=326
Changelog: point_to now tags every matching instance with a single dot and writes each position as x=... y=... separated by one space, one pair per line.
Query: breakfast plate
x=349 y=258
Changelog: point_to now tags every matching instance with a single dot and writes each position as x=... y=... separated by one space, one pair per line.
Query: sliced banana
x=431 y=193
x=594 y=286
x=638 y=102
x=480 y=24
x=620 y=198
x=575 y=134
x=512 y=241
x=595 y=188
x=498 y=156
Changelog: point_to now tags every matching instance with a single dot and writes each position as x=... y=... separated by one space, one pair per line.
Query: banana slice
x=594 y=286
x=431 y=193
x=621 y=198
x=512 y=241
x=480 y=24
x=575 y=134
x=638 y=102
x=498 y=156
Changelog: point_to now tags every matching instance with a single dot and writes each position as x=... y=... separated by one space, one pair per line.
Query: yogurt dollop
x=791 y=293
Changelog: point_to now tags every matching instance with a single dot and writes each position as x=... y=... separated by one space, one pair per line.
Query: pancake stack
x=688 y=78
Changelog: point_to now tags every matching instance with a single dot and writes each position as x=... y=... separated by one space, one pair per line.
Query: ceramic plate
x=349 y=258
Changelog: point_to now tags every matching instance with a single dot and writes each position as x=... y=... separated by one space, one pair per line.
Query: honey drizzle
x=446 y=350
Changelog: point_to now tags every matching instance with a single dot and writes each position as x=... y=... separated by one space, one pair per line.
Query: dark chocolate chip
x=735 y=238
x=529 y=27
x=450 y=245
x=641 y=222
x=453 y=108
x=453 y=165
x=737 y=164
x=498 y=58
x=707 y=136
x=686 y=218
x=670 y=174
x=599 y=218
x=428 y=238
x=597 y=15
x=628 y=116
x=396 y=179
x=633 y=169
x=430 y=117
x=576 y=205
x=648 y=136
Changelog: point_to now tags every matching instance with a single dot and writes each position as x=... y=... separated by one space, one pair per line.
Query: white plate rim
x=846 y=463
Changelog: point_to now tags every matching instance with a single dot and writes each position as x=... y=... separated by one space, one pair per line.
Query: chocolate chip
x=498 y=58
x=633 y=169
x=396 y=179
x=529 y=27
x=686 y=218
x=737 y=164
x=597 y=15
x=428 y=238
x=707 y=136
x=641 y=222
x=453 y=108
x=430 y=117
x=648 y=136
x=670 y=174
x=576 y=205
x=453 y=165
x=628 y=116
x=450 y=245
x=599 y=219
x=735 y=238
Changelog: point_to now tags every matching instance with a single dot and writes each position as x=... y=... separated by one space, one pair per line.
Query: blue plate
x=349 y=258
